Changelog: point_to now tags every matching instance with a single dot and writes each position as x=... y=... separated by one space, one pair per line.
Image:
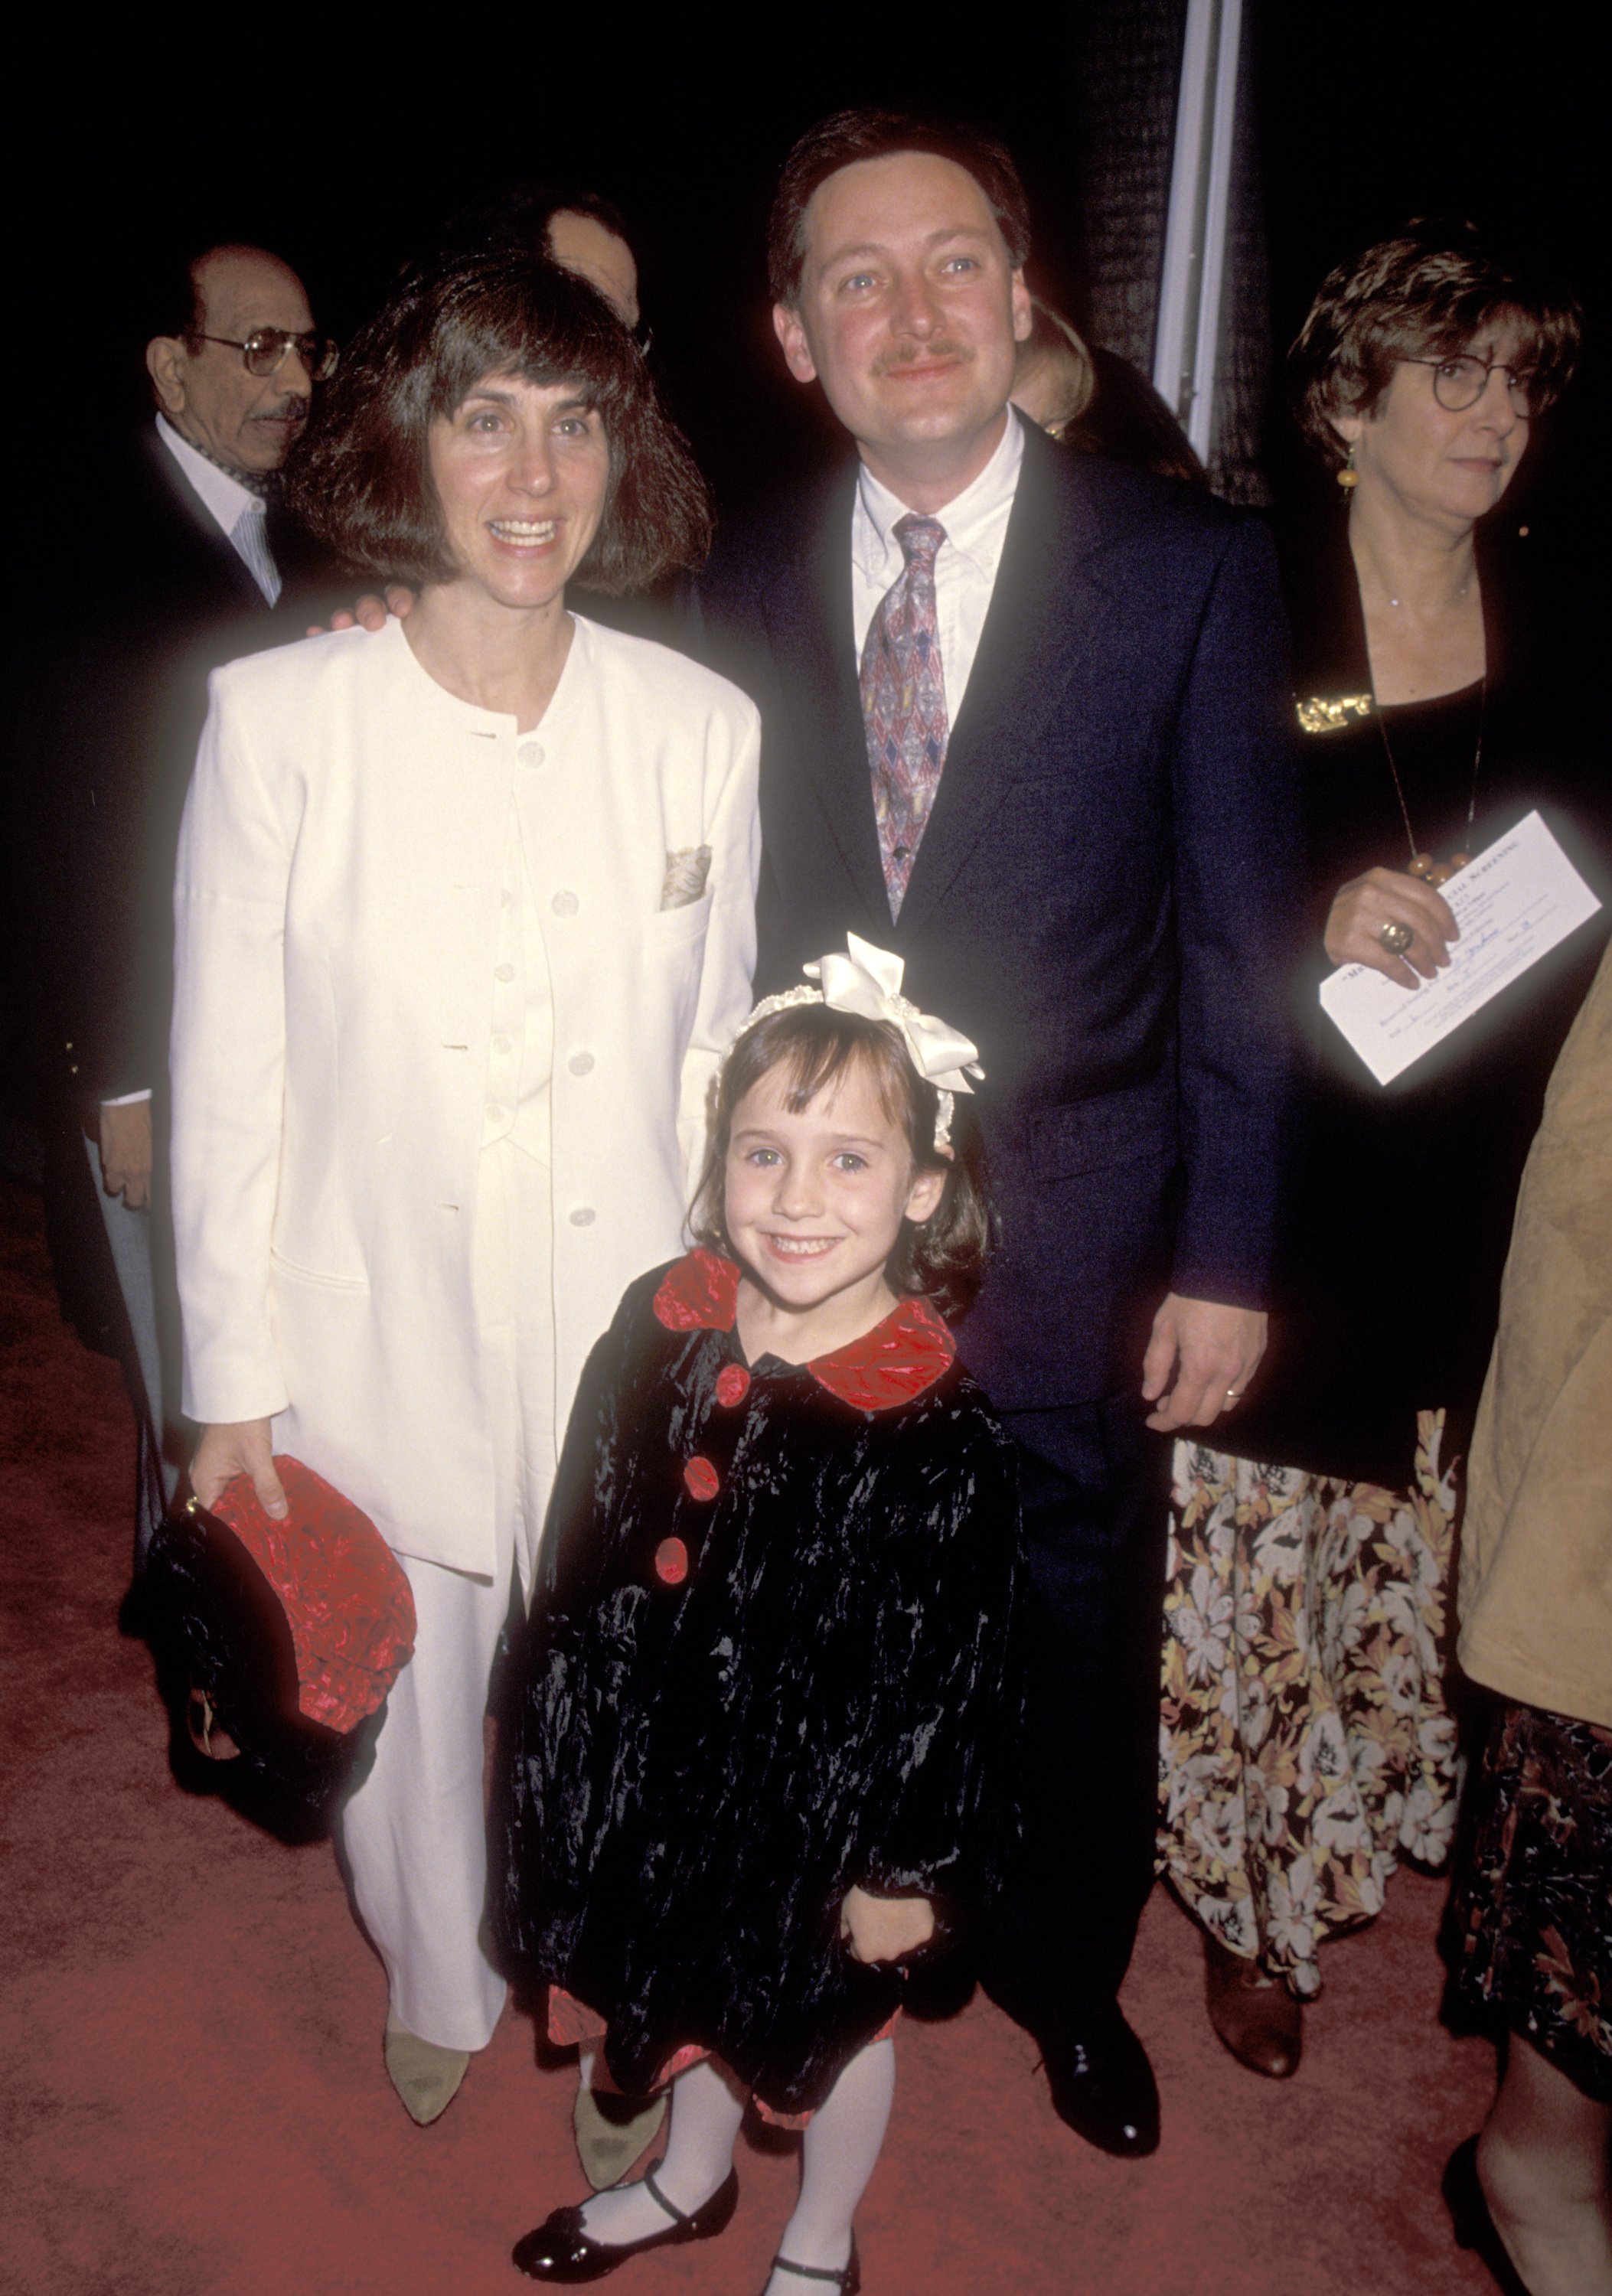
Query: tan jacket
x=1536 y=1555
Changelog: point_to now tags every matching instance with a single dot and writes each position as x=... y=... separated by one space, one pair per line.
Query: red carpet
x=193 y=2101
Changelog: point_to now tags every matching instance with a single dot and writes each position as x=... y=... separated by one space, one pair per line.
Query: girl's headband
x=868 y=980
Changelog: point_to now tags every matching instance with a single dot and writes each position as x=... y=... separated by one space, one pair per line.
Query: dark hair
x=1128 y=421
x=1432 y=291
x=360 y=476
x=870 y=134
x=514 y=217
x=173 y=303
x=943 y=1258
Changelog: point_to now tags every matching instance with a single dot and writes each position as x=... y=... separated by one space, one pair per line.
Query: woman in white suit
x=465 y=919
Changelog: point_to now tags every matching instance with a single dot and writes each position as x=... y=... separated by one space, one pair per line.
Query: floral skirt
x=1529 y=1914
x=1305 y=1745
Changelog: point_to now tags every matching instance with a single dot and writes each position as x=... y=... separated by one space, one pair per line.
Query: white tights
x=837 y=2157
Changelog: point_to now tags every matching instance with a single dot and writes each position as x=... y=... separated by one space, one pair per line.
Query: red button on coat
x=733 y=1384
x=671 y=1561
x=701 y=1478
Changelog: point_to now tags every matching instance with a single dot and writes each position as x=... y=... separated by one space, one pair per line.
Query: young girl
x=763 y=1740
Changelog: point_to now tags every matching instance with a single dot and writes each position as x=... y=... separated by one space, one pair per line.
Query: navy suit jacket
x=1106 y=897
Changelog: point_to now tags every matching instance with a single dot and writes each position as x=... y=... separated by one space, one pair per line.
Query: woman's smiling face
x=521 y=470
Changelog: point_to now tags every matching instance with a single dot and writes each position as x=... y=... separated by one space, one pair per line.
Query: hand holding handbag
x=276 y=1642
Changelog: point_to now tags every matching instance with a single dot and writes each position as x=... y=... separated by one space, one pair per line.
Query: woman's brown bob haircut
x=868 y=133
x=360 y=478
x=942 y=1260
x=1437 y=290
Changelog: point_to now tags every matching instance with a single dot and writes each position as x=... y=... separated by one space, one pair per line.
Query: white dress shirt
x=965 y=565
x=238 y=513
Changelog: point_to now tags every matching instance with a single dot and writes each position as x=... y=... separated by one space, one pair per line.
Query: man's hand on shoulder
x=1199 y=1360
x=370 y=613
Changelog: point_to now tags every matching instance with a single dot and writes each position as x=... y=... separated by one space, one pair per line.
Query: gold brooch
x=1330 y=713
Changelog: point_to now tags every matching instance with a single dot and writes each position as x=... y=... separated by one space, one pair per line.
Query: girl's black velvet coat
x=732 y=1707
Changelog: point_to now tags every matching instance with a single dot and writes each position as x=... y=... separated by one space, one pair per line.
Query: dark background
x=340 y=140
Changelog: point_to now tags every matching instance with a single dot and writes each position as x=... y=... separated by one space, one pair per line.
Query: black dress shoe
x=1475 y=2227
x=560 y=2250
x=1103 y=2088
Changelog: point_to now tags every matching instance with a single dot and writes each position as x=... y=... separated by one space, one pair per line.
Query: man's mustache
x=292 y=409
x=913 y=354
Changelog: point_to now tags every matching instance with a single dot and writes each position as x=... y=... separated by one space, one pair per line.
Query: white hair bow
x=868 y=981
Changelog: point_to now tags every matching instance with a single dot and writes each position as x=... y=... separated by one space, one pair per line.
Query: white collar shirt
x=236 y=512
x=965 y=566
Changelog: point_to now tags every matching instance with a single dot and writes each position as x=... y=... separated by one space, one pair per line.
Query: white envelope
x=1513 y=903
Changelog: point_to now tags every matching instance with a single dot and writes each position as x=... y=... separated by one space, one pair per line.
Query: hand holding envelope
x=1513 y=903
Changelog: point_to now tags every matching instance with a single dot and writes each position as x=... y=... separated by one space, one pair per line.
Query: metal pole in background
x=1187 y=340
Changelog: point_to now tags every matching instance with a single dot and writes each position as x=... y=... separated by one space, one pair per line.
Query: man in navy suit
x=1025 y=724
x=205 y=566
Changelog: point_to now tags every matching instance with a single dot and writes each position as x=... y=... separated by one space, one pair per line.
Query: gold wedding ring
x=1396 y=938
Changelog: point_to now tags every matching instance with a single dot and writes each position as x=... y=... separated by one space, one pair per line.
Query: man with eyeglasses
x=234 y=384
x=202 y=567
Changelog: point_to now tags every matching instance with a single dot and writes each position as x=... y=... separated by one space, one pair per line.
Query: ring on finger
x=1233 y=1394
x=1396 y=938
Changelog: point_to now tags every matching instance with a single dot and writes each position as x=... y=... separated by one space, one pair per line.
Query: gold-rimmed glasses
x=263 y=351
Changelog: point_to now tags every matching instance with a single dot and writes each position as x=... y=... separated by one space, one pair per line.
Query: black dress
x=769 y=1661
x=1307 y=1743
x=1401 y=1207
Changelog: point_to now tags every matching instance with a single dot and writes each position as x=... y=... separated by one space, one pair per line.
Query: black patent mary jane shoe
x=1475 y=2227
x=848 y=2280
x=559 y=2249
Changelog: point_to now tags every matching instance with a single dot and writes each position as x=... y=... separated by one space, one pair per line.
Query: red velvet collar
x=898 y=1360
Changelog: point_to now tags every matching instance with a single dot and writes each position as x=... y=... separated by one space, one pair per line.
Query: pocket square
x=685 y=875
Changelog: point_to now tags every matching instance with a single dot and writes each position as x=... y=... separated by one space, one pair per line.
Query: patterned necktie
x=904 y=704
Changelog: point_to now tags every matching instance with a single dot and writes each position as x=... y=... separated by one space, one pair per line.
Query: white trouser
x=415 y=1832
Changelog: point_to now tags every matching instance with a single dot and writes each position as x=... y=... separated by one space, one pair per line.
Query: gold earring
x=1348 y=476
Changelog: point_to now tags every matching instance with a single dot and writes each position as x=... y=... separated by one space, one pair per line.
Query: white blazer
x=337 y=911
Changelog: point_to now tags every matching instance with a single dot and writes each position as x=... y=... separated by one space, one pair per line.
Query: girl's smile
x=814 y=1201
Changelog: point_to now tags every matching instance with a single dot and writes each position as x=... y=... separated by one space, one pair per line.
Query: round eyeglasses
x=1459 y=383
x=263 y=351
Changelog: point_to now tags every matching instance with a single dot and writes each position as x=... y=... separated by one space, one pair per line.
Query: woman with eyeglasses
x=1308 y=1747
x=464 y=918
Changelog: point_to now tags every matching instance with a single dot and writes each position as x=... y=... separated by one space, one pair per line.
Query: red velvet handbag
x=276 y=1643
x=346 y=1601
